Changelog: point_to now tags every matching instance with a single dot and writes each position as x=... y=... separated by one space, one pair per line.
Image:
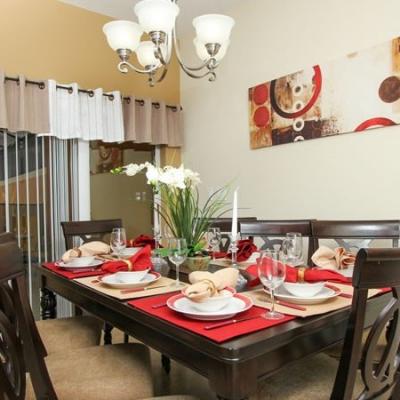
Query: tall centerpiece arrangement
x=178 y=205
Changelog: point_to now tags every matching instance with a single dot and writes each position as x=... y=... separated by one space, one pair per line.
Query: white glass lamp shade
x=156 y=15
x=213 y=28
x=145 y=54
x=202 y=52
x=123 y=35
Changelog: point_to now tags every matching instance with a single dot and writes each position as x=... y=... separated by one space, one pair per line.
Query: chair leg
x=126 y=338
x=166 y=363
x=107 y=333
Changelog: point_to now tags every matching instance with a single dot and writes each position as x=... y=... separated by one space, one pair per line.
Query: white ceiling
x=123 y=9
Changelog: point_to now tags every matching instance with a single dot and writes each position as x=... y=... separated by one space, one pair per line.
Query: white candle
x=235 y=215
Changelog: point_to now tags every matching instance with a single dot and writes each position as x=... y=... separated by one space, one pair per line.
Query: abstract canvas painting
x=359 y=92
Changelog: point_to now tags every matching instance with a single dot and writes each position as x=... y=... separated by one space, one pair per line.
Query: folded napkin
x=300 y=275
x=138 y=262
x=205 y=284
x=86 y=250
x=142 y=241
x=328 y=258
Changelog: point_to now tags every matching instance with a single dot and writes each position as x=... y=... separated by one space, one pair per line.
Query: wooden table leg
x=107 y=333
x=48 y=304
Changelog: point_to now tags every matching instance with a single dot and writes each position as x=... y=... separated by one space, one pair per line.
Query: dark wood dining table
x=233 y=368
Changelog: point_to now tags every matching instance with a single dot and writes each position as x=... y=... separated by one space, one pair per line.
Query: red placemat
x=72 y=275
x=218 y=335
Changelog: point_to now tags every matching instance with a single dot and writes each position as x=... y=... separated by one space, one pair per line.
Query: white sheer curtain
x=87 y=116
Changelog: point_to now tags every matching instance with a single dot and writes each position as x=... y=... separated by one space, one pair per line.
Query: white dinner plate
x=111 y=281
x=324 y=295
x=128 y=252
x=93 y=264
x=237 y=304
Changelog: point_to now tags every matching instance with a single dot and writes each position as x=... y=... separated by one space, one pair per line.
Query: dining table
x=233 y=367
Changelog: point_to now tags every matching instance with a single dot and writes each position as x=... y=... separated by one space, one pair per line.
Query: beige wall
x=49 y=39
x=349 y=176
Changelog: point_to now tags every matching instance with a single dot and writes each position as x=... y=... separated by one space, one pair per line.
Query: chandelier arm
x=210 y=64
x=124 y=66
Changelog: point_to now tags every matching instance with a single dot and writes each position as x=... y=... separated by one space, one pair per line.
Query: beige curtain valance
x=86 y=114
x=23 y=107
x=154 y=123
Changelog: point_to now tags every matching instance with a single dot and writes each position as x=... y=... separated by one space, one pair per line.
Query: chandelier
x=157 y=19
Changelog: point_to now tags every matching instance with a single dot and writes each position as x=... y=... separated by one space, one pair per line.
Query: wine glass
x=272 y=272
x=177 y=252
x=118 y=241
x=292 y=247
x=214 y=239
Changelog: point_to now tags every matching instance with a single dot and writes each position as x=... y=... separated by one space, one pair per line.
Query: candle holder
x=233 y=248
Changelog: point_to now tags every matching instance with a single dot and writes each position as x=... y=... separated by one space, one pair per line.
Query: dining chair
x=120 y=371
x=272 y=232
x=225 y=226
x=353 y=235
x=77 y=332
x=359 y=374
x=88 y=231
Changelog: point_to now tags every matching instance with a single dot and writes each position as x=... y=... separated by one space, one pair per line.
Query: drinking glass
x=177 y=252
x=118 y=241
x=214 y=239
x=272 y=272
x=292 y=247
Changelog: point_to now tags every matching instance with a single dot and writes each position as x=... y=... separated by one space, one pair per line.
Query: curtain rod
x=42 y=85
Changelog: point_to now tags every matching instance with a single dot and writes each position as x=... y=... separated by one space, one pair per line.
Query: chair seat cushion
x=119 y=371
x=310 y=378
x=69 y=333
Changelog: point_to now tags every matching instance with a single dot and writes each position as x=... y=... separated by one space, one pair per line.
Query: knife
x=230 y=322
x=341 y=294
x=124 y=291
x=290 y=305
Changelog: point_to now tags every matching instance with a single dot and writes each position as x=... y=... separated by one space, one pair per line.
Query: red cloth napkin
x=310 y=275
x=72 y=275
x=246 y=248
x=218 y=335
x=138 y=262
x=142 y=241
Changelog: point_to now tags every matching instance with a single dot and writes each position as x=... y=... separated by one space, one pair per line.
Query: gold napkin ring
x=300 y=274
x=129 y=264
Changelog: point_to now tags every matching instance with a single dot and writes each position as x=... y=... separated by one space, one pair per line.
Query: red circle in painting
x=260 y=94
x=261 y=117
x=374 y=122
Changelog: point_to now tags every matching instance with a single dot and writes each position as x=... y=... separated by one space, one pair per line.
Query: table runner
x=69 y=274
x=116 y=293
x=261 y=299
x=218 y=335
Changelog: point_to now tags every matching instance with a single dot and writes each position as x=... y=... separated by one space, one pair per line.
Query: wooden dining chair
x=225 y=226
x=359 y=374
x=353 y=235
x=88 y=231
x=26 y=372
x=272 y=232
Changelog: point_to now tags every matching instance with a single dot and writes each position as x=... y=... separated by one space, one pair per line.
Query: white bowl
x=304 y=289
x=81 y=261
x=131 y=276
x=215 y=303
x=130 y=251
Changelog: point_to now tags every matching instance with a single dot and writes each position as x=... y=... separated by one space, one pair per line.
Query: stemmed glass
x=272 y=272
x=118 y=241
x=292 y=247
x=177 y=252
x=214 y=239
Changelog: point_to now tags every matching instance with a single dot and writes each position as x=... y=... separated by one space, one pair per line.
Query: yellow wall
x=49 y=39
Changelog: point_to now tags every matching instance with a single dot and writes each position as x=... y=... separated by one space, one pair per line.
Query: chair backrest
x=88 y=231
x=374 y=269
x=21 y=349
x=225 y=226
x=353 y=235
x=272 y=232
